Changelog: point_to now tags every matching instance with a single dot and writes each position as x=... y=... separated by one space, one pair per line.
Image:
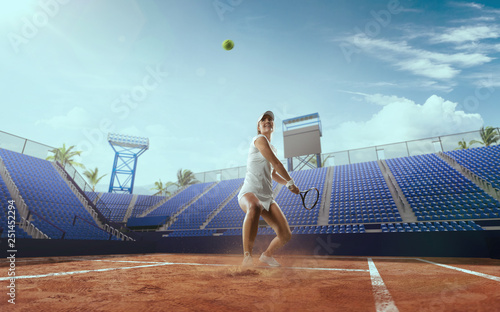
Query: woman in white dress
x=256 y=195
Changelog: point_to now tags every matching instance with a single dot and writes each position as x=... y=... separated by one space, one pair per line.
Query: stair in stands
x=483 y=184
x=173 y=218
x=20 y=204
x=130 y=208
x=324 y=206
x=402 y=204
x=153 y=208
x=99 y=195
x=86 y=204
x=78 y=195
x=220 y=207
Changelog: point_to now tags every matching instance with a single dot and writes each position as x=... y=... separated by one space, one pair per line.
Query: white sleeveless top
x=258 y=179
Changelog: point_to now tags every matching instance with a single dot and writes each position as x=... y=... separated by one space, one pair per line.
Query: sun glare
x=13 y=11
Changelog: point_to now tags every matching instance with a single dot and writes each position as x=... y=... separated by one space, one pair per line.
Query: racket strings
x=310 y=198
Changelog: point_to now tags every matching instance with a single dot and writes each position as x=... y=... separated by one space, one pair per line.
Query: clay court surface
x=188 y=282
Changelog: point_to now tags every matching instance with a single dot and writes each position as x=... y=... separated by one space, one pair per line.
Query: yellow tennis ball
x=228 y=44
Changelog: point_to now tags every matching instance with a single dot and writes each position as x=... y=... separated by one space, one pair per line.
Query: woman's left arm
x=278 y=178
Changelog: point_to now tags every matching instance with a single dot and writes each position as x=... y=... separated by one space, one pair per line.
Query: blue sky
x=376 y=72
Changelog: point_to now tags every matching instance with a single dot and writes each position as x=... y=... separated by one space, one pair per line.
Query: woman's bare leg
x=276 y=219
x=250 y=204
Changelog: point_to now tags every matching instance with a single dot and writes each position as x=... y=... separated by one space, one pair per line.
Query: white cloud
x=467 y=33
x=406 y=10
x=420 y=62
x=472 y=5
x=474 y=20
x=489 y=80
x=401 y=120
x=423 y=84
x=433 y=85
x=382 y=84
x=477 y=6
x=384 y=100
x=76 y=119
x=462 y=59
x=495 y=47
x=479 y=47
x=379 y=99
x=427 y=68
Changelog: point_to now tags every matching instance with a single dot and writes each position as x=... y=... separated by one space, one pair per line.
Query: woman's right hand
x=294 y=189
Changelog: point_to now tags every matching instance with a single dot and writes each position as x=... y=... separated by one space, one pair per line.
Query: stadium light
x=128 y=141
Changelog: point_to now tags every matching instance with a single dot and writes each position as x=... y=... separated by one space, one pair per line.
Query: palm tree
x=162 y=189
x=93 y=176
x=185 y=177
x=463 y=145
x=489 y=136
x=65 y=156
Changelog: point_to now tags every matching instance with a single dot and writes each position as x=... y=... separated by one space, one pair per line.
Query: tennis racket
x=310 y=198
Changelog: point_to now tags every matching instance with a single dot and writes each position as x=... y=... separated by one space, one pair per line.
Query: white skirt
x=265 y=201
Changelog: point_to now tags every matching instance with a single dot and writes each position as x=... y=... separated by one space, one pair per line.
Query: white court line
x=491 y=277
x=73 y=259
x=362 y=257
x=52 y=260
x=125 y=261
x=320 y=269
x=162 y=264
x=383 y=299
x=266 y=267
x=230 y=265
x=79 y=272
x=293 y=268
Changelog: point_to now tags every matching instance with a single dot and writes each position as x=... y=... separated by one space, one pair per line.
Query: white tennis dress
x=258 y=179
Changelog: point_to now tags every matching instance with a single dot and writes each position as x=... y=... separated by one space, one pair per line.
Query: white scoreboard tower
x=301 y=140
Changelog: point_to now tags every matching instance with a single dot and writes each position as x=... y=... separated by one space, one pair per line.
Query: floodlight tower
x=127 y=149
x=301 y=138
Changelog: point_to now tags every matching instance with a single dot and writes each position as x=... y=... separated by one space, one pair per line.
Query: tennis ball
x=228 y=44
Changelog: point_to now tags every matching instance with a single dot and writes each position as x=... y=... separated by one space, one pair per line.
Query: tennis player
x=256 y=195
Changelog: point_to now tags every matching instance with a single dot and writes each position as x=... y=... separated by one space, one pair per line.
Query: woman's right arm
x=264 y=148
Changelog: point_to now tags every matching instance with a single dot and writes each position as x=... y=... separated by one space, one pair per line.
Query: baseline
x=167 y=263
x=79 y=272
x=491 y=277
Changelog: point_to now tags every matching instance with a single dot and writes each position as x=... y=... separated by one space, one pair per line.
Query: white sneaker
x=269 y=260
x=247 y=260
